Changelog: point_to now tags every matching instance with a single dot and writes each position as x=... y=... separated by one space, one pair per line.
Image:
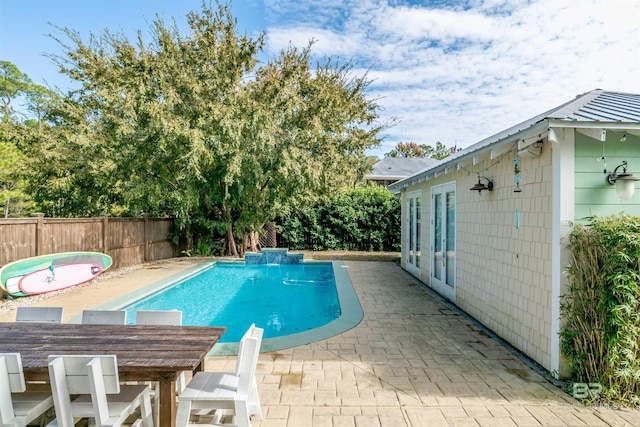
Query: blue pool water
x=283 y=299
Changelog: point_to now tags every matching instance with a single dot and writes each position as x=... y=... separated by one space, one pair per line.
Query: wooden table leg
x=167 y=401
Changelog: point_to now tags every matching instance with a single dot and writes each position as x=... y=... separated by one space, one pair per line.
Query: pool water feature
x=289 y=309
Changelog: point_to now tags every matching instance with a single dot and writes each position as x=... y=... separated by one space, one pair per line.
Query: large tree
x=412 y=149
x=18 y=130
x=439 y=152
x=10 y=159
x=13 y=83
x=306 y=135
x=186 y=125
x=406 y=149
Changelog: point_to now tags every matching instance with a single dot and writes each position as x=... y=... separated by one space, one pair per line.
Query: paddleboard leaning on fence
x=52 y=272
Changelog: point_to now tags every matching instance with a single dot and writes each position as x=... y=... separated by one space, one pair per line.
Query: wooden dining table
x=144 y=352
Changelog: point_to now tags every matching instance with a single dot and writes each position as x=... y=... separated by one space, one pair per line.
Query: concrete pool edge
x=351 y=313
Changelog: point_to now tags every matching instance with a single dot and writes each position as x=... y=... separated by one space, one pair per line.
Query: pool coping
x=351 y=313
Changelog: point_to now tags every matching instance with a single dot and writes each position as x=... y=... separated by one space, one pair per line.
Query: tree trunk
x=254 y=242
x=231 y=243
x=6 y=207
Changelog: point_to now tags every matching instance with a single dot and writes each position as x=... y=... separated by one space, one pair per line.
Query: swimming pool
x=339 y=311
x=282 y=299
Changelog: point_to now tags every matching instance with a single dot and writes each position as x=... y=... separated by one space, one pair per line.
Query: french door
x=413 y=239
x=443 y=240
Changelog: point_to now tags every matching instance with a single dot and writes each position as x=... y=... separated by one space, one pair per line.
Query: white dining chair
x=39 y=314
x=229 y=394
x=19 y=407
x=89 y=387
x=161 y=317
x=104 y=317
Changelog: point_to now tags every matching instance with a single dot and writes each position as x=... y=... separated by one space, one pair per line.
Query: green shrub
x=362 y=219
x=205 y=247
x=601 y=334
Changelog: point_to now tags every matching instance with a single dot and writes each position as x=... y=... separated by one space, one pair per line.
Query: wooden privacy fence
x=128 y=241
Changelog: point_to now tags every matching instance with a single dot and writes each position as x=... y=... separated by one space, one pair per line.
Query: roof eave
x=384 y=177
x=488 y=145
x=563 y=123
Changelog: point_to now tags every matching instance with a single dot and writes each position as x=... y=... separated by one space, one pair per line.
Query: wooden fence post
x=146 y=239
x=105 y=234
x=39 y=226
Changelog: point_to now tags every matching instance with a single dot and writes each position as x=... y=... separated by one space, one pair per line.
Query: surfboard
x=53 y=272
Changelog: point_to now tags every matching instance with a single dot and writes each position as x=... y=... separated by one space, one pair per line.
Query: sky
x=449 y=71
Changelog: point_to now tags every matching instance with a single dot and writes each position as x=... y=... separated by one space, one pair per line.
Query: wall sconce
x=624 y=182
x=480 y=186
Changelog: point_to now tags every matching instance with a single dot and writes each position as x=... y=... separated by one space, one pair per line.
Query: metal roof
x=399 y=167
x=597 y=108
x=600 y=106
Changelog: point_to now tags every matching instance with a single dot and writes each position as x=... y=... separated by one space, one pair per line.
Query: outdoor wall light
x=624 y=182
x=480 y=186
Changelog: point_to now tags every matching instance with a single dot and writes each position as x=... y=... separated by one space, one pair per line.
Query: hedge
x=360 y=219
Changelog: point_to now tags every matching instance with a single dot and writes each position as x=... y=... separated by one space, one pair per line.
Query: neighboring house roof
x=391 y=168
x=591 y=112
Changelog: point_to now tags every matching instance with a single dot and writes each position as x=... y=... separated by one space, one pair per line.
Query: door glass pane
x=437 y=236
x=451 y=238
x=418 y=229
x=410 y=230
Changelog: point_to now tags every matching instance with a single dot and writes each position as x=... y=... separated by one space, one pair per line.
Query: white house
x=487 y=227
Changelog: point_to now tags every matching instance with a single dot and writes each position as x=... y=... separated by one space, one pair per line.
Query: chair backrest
x=39 y=314
x=247 y=366
x=163 y=317
x=79 y=374
x=252 y=332
x=11 y=367
x=104 y=317
x=248 y=353
x=11 y=381
x=159 y=317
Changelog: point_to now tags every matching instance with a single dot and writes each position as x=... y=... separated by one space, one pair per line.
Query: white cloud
x=460 y=73
x=413 y=23
x=326 y=42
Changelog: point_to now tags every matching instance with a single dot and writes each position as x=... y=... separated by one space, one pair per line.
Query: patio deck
x=413 y=361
